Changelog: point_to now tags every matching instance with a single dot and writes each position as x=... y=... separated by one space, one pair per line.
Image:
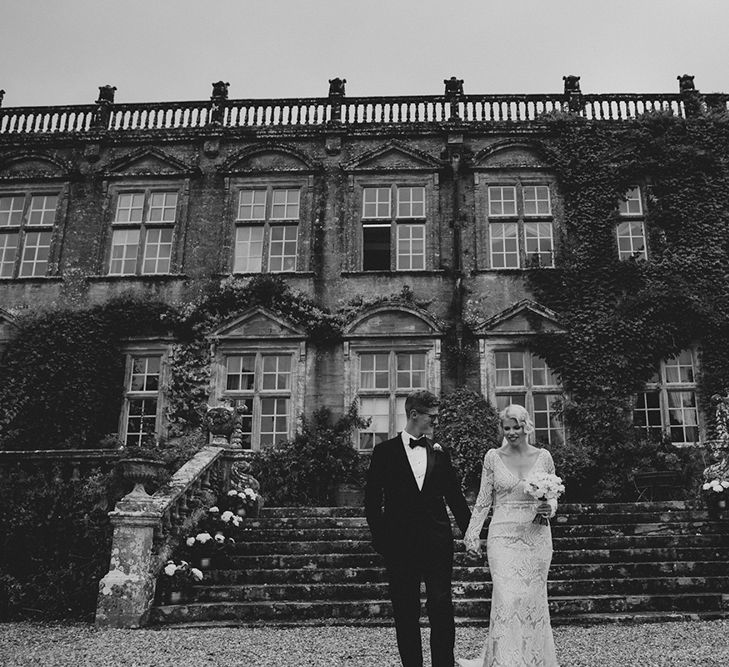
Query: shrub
x=467 y=426
x=55 y=541
x=305 y=470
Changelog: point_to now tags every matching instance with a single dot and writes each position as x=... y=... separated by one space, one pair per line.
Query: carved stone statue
x=336 y=87
x=453 y=87
x=719 y=448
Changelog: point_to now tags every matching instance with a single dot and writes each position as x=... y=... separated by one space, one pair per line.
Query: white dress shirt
x=417 y=457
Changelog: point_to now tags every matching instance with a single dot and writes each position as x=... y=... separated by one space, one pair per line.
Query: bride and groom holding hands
x=409 y=483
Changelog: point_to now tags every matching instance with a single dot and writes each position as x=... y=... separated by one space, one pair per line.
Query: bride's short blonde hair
x=521 y=416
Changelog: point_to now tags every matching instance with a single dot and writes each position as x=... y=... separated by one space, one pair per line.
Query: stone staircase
x=638 y=561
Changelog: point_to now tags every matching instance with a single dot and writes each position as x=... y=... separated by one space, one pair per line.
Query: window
x=26 y=232
x=631 y=230
x=266 y=230
x=142 y=232
x=385 y=379
x=520 y=226
x=523 y=378
x=140 y=415
x=668 y=403
x=261 y=382
x=393 y=212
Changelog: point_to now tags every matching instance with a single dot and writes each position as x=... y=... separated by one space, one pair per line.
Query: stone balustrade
x=147 y=530
x=354 y=112
x=64 y=464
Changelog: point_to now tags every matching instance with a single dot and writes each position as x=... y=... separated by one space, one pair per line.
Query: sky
x=56 y=52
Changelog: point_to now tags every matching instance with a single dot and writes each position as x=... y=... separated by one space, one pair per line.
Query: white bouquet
x=543 y=486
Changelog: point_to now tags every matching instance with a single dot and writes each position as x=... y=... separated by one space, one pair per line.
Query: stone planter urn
x=220 y=421
x=139 y=472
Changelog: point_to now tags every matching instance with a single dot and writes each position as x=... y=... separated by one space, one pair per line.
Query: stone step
x=461 y=589
x=590 y=556
x=562 y=544
x=377 y=574
x=565 y=508
x=359 y=533
x=464 y=608
x=562 y=518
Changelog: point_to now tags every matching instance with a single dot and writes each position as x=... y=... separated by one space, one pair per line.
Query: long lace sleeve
x=472 y=538
x=550 y=469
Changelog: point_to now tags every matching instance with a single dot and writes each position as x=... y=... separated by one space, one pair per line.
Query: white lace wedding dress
x=519 y=554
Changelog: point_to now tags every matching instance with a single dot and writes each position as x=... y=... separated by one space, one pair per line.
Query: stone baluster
x=691 y=98
x=573 y=93
x=104 y=106
x=453 y=94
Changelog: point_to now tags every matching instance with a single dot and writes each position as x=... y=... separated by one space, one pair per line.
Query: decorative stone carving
x=692 y=99
x=106 y=94
x=573 y=93
x=685 y=83
x=719 y=447
x=571 y=84
x=218 y=99
x=220 y=91
x=336 y=87
x=453 y=87
x=139 y=472
x=220 y=422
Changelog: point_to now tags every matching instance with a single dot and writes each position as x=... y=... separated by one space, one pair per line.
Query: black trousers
x=405 y=571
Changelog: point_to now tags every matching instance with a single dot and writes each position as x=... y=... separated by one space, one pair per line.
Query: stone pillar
x=126 y=591
x=453 y=94
x=104 y=105
x=691 y=98
x=217 y=102
x=573 y=93
x=336 y=94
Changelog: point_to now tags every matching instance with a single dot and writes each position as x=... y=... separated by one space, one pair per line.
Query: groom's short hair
x=420 y=400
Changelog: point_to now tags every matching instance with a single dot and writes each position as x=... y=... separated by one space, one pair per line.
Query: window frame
x=522 y=224
x=395 y=223
x=629 y=218
x=268 y=223
x=663 y=388
x=488 y=348
x=144 y=226
x=138 y=350
x=24 y=227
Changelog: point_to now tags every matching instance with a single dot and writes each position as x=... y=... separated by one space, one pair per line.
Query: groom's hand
x=473 y=556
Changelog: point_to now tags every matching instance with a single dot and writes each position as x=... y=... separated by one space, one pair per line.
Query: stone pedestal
x=126 y=591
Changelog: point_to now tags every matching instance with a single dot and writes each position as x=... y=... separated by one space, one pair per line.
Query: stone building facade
x=449 y=197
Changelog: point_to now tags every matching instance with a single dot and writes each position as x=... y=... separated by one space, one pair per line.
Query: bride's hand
x=545 y=509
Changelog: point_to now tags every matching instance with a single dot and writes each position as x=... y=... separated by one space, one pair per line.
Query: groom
x=408 y=484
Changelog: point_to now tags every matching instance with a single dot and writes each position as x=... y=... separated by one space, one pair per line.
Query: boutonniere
x=437 y=447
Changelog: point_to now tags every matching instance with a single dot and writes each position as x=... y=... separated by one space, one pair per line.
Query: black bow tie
x=420 y=442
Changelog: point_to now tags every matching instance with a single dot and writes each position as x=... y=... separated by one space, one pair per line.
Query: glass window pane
x=248 y=250
x=252 y=205
x=376 y=248
x=11 y=211
x=410 y=247
x=240 y=372
x=502 y=200
x=376 y=202
x=8 y=254
x=631 y=204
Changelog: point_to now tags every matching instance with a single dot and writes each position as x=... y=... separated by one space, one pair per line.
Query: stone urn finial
x=2 y=95
x=106 y=94
x=685 y=83
x=336 y=87
x=222 y=421
x=220 y=91
x=453 y=87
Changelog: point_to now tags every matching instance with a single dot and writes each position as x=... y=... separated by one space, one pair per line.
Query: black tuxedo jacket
x=403 y=518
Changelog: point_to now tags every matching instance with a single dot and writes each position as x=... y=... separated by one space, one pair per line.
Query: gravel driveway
x=675 y=644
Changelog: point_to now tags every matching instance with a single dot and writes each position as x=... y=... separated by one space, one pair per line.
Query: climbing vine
x=622 y=317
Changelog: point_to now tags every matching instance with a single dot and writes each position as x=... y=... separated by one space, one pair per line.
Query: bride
x=519 y=550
